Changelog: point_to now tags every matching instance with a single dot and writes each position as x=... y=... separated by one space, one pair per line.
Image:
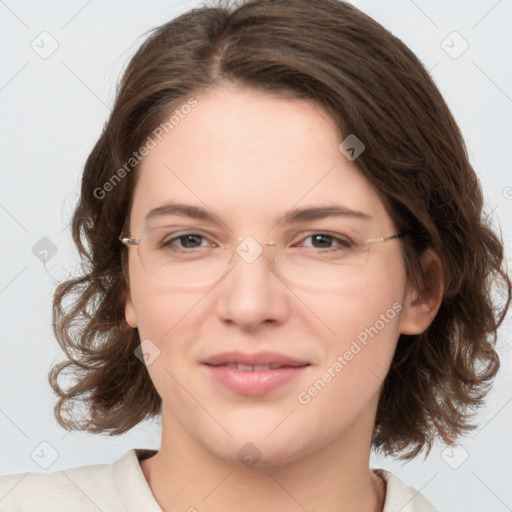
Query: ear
x=422 y=305
x=129 y=309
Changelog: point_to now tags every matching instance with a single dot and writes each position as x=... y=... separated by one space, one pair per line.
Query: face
x=248 y=158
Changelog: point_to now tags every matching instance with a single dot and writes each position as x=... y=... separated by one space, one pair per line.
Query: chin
x=259 y=451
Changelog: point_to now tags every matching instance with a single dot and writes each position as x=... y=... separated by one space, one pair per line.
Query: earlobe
x=129 y=310
x=422 y=305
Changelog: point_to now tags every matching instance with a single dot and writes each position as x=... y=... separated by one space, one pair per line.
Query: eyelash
x=343 y=242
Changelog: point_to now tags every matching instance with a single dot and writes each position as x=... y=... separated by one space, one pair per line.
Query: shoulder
x=84 y=488
x=401 y=497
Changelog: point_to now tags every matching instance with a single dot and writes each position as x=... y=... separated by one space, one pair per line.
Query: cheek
x=357 y=356
x=363 y=318
x=169 y=321
x=362 y=304
x=166 y=328
x=159 y=313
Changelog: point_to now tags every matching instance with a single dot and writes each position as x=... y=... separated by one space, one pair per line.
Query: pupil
x=322 y=238
x=191 y=238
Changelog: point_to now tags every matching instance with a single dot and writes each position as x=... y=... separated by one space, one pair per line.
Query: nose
x=251 y=293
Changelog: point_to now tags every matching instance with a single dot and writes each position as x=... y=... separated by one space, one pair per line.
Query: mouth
x=254 y=374
x=257 y=368
x=264 y=360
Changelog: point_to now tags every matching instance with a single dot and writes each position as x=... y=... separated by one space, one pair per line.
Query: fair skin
x=249 y=157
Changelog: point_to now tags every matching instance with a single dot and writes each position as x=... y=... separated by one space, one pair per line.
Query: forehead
x=250 y=155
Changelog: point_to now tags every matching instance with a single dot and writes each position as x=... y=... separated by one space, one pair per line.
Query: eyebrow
x=295 y=216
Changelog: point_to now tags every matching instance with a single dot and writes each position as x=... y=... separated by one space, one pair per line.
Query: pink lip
x=255 y=382
x=258 y=358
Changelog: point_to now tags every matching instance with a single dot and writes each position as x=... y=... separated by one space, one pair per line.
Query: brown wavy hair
x=373 y=86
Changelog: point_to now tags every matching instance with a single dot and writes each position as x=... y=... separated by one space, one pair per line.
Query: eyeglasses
x=182 y=258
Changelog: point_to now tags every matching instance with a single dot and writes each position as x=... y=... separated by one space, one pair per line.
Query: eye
x=327 y=241
x=184 y=241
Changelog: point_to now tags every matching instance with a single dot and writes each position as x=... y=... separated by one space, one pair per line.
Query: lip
x=255 y=359
x=254 y=382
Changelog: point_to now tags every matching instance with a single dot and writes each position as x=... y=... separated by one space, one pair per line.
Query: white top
x=122 y=487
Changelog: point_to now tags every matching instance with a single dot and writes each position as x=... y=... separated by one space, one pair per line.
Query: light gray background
x=53 y=110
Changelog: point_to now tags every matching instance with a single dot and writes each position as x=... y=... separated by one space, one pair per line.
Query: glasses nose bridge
x=249 y=249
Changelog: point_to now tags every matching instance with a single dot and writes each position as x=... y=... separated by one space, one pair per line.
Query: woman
x=285 y=256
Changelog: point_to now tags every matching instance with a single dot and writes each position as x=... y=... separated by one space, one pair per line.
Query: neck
x=185 y=476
